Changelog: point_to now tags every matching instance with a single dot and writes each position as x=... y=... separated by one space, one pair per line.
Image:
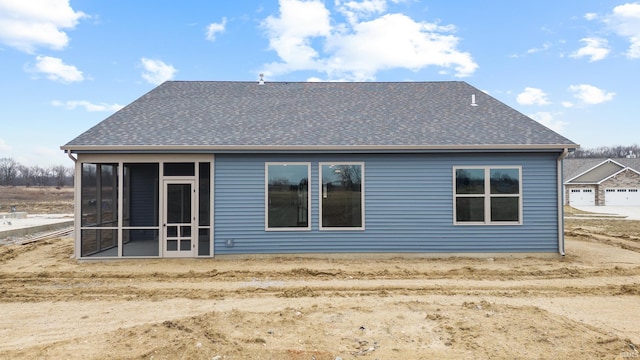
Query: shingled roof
x=574 y=167
x=316 y=115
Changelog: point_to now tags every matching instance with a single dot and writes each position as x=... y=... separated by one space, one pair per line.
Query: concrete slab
x=13 y=215
x=628 y=212
x=31 y=224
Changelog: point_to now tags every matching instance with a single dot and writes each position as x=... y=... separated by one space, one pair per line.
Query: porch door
x=179 y=226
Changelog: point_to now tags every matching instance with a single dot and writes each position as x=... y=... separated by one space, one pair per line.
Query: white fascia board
x=169 y=148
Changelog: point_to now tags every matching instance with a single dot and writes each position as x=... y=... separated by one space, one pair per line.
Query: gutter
x=300 y=148
x=564 y=154
x=71 y=156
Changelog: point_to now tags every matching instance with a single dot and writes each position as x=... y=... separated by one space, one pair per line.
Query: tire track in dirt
x=623 y=242
x=35 y=289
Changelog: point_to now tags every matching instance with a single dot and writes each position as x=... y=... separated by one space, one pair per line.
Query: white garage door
x=584 y=197
x=622 y=197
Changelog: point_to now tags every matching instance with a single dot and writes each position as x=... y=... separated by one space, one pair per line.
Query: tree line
x=13 y=173
x=620 y=151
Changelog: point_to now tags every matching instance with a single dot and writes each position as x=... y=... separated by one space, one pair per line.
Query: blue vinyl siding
x=408 y=206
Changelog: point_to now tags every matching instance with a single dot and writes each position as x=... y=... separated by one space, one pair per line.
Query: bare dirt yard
x=583 y=306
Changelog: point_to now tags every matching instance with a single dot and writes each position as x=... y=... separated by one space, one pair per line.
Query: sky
x=65 y=65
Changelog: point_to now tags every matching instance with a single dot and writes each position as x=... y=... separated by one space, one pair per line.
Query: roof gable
x=316 y=115
x=595 y=171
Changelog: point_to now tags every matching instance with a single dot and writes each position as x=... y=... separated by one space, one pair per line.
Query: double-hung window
x=341 y=196
x=487 y=195
x=287 y=196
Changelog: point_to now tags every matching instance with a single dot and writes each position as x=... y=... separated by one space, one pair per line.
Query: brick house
x=599 y=182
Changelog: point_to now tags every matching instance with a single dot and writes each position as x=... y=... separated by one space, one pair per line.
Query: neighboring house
x=597 y=182
x=193 y=169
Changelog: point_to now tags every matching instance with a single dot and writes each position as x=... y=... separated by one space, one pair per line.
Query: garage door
x=582 y=197
x=622 y=197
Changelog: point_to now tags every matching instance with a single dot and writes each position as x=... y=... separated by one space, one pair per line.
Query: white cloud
x=547 y=119
x=215 y=28
x=532 y=96
x=590 y=95
x=546 y=46
x=357 y=50
x=88 y=106
x=594 y=48
x=27 y=25
x=354 y=10
x=156 y=71
x=56 y=70
x=590 y=16
x=290 y=34
x=625 y=21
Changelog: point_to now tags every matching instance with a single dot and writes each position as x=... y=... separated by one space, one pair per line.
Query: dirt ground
x=583 y=306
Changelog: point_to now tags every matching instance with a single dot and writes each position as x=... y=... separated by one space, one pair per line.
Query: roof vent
x=473 y=100
x=261 y=81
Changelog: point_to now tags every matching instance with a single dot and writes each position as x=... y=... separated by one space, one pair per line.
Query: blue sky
x=573 y=65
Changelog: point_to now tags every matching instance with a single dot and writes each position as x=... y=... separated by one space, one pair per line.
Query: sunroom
x=144 y=206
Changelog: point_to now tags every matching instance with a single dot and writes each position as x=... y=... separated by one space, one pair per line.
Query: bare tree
x=618 y=151
x=8 y=171
x=26 y=175
x=59 y=173
x=40 y=175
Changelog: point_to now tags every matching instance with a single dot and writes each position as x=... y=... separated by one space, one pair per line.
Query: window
x=487 y=195
x=287 y=196
x=341 y=196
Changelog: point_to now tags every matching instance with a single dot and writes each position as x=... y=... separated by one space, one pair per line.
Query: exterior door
x=179 y=218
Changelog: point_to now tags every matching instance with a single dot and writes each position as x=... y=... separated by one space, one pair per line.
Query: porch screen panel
x=108 y=195
x=204 y=195
x=204 y=209
x=89 y=197
x=99 y=209
x=140 y=236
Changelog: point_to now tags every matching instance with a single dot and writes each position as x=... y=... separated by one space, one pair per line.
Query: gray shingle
x=575 y=167
x=308 y=114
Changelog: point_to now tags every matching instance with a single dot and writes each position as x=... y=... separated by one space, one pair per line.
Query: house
x=597 y=182
x=197 y=169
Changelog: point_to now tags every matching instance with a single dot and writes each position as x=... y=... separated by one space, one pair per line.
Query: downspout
x=76 y=207
x=564 y=154
x=71 y=156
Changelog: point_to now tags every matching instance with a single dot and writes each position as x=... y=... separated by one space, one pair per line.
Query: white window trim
x=362 y=197
x=266 y=197
x=487 y=196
